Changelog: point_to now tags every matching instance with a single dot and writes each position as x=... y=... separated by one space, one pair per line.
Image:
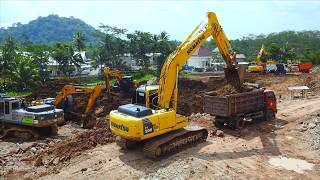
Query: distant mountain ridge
x=50 y=29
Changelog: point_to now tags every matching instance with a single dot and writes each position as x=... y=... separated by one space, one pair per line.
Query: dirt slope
x=239 y=155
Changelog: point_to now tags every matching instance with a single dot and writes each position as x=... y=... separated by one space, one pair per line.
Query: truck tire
x=218 y=122
x=269 y=115
x=236 y=123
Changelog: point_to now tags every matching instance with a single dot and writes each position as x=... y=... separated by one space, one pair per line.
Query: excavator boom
x=169 y=71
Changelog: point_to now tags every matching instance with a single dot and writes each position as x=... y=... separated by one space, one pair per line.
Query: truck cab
x=270 y=104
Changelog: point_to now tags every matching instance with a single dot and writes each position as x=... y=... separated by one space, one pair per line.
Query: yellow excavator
x=154 y=119
x=124 y=84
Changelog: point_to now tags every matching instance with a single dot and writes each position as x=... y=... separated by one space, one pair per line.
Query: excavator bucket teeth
x=234 y=76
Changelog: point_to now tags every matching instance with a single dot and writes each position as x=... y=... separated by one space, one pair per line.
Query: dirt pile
x=191 y=92
x=203 y=120
x=49 y=89
x=64 y=150
x=313 y=80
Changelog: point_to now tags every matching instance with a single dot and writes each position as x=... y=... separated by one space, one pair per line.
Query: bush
x=6 y=85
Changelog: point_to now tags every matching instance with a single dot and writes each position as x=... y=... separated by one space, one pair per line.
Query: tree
x=78 y=41
x=112 y=47
x=40 y=57
x=143 y=47
x=164 y=48
x=24 y=73
x=64 y=55
x=8 y=55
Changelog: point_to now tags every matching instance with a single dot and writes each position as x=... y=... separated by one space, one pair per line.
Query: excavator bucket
x=235 y=76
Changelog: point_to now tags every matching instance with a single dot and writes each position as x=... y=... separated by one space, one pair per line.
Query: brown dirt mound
x=190 y=94
x=64 y=150
x=49 y=89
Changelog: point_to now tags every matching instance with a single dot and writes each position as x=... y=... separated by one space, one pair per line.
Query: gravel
x=311 y=132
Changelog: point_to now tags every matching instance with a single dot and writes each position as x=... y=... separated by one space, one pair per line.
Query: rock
x=185 y=167
x=33 y=149
x=56 y=161
x=312 y=125
x=220 y=133
x=38 y=161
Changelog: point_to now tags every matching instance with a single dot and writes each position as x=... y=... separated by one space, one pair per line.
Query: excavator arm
x=113 y=73
x=72 y=89
x=261 y=55
x=169 y=72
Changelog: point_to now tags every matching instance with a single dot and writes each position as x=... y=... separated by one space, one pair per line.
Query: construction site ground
x=285 y=148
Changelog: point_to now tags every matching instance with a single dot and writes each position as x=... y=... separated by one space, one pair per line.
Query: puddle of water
x=296 y=165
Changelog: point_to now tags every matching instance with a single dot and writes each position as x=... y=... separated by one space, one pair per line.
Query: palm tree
x=78 y=41
x=164 y=49
x=155 y=44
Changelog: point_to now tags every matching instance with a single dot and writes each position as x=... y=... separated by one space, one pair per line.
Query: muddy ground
x=257 y=151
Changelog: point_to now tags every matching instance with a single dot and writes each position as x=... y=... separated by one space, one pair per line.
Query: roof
x=241 y=56
x=292 y=88
x=202 y=52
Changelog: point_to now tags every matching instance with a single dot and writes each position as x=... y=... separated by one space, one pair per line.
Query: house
x=218 y=58
x=200 y=58
x=241 y=57
x=85 y=69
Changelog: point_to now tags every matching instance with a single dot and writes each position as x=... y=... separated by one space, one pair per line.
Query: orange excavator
x=65 y=101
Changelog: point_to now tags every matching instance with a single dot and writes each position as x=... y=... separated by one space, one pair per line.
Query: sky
x=177 y=17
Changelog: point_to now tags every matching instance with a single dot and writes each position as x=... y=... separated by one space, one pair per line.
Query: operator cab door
x=7 y=110
x=1 y=109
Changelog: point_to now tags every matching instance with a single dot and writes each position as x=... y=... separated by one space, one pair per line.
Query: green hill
x=50 y=29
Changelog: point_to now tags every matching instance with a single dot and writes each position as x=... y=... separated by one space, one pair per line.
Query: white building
x=200 y=58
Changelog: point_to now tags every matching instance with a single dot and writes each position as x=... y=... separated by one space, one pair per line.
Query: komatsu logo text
x=195 y=44
x=121 y=127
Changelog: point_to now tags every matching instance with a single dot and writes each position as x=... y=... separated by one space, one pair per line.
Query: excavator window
x=141 y=98
x=15 y=105
x=7 y=109
x=1 y=108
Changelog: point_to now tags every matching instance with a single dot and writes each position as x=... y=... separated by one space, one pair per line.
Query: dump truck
x=28 y=123
x=305 y=67
x=234 y=109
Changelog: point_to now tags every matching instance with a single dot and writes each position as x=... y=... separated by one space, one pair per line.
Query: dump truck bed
x=234 y=104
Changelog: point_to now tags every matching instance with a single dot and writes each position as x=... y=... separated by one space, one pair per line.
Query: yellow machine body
x=164 y=118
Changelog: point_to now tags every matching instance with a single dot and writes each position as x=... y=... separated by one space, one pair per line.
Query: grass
x=184 y=75
x=17 y=94
x=144 y=78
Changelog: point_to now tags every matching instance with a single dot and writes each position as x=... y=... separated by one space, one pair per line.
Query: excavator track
x=174 y=141
x=28 y=133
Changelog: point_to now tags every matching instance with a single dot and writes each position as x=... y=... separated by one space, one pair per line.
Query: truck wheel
x=218 y=123
x=236 y=123
x=269 y=115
